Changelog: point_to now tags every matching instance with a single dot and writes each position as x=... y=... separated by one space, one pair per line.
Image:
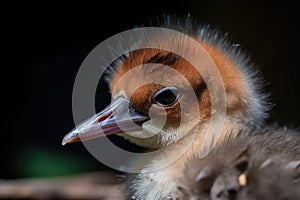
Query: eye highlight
x=166 y=96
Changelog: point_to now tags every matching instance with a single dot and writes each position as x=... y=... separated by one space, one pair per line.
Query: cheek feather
x=141 y=98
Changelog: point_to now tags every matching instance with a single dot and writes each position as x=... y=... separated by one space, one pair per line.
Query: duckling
x=147 y=102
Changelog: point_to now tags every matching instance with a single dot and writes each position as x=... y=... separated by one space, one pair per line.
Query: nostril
x=229 y=194
x=104 y=117
x=232 y=194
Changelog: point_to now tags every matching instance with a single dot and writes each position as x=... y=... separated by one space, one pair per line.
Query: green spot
x=42 y=162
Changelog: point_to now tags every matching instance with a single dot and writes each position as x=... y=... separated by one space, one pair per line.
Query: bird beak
x=116 y=118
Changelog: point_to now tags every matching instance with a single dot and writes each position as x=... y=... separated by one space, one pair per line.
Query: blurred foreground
x=94 y=185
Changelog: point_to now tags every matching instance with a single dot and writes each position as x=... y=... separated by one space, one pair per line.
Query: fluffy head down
x=245 y=105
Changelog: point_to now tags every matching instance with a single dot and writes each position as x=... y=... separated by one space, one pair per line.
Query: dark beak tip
x=70 y=137
x=64 y=141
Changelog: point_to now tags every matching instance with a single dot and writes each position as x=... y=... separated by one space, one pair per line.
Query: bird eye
x=166 y=96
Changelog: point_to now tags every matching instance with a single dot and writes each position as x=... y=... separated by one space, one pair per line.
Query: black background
x=44 y=44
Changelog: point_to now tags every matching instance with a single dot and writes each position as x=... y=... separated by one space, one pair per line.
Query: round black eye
x=166 y=96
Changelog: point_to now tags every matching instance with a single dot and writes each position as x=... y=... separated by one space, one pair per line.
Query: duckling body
x=257 y=165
